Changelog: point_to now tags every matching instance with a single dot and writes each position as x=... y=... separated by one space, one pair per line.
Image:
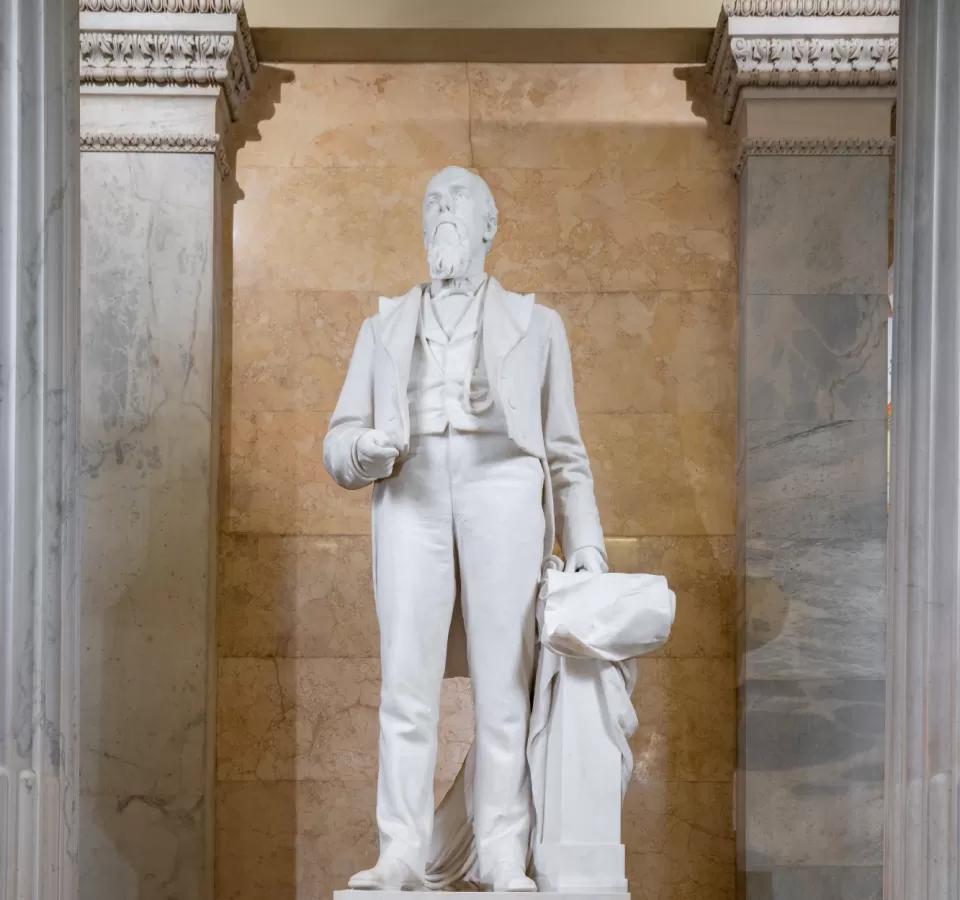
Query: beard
x=448 y=255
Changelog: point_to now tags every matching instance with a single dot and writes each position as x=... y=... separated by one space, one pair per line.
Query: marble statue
x=458 y=407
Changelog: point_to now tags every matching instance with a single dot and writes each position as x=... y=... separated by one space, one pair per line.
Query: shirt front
x=448 y=384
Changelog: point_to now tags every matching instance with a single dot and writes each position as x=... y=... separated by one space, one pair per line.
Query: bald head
x=459 y=223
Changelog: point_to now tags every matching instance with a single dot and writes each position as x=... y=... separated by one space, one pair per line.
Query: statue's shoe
x=509 y=877
x=386 y=875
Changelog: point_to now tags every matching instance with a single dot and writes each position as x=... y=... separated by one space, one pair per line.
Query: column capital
x=163 y=75
x=807 y=77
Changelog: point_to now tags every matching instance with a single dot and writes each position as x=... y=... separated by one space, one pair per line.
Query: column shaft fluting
x=923 y=697
x=39 y=343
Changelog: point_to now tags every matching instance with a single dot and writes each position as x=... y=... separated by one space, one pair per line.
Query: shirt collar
x=432 y=330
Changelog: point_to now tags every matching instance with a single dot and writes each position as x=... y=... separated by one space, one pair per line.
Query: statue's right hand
x=376 y=454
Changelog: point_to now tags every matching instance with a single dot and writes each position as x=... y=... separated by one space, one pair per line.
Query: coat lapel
x=506 y=317
x=398 y=330
x=505 y=321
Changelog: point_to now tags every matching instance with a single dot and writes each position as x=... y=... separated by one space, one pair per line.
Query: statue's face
x=455 y=223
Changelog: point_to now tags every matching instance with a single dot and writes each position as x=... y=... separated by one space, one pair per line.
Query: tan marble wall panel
x=369 y=115
x=330 y=229
x=591 y=229
x=292 y=719
x=296 y=596
x=661 y=351
x=594 y=116
x=617 y=208
x=680 y=841
x=316 y=720
x=277 y=483
x=561 y=229
x=662 y=474
x=292 y=840
x=687 y=714
x=290 y=349
x=702 y=573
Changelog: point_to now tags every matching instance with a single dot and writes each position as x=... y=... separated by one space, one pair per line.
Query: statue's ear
x=490 y=230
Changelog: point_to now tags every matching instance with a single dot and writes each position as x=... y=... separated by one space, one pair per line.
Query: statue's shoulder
x=543 y=317
x=389 y=307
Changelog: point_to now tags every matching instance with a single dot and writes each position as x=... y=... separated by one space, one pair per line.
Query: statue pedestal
x=578 y=849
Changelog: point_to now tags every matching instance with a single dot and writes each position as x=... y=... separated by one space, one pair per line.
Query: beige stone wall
x=618 y=208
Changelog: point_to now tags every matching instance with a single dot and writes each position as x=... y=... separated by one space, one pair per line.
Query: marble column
x=159 y=89
x=923 y=698
x=39 y=346
x=810 y=99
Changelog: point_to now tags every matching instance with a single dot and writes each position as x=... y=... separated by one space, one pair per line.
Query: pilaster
x=161 y=84
x=809 y=88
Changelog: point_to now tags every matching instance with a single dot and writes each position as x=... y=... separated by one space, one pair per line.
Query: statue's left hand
x=586 y=559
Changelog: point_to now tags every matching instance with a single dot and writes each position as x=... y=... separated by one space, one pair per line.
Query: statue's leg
x=415 y=588
x=498 y=515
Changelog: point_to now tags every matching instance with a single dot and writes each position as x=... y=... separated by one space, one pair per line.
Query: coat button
x=510 y=403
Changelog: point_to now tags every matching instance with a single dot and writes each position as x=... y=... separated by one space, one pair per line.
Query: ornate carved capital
x=168 y=43
x=803 y=43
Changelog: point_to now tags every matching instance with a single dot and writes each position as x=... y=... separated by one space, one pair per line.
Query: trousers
x=461 y=510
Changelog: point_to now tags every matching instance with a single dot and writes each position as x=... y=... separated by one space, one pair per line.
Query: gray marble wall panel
x=814 y=754
x=148 y=423
x=816 y=479
x=815 y=358
x=812 y=524
x=815 y=225
x=817 y=883
x=817 y=609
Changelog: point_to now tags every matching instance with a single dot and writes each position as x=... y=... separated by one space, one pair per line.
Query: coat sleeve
x=353 y=415
x=578 y=521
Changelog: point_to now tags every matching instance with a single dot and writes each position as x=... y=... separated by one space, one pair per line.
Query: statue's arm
x=353 y=415
x=578 y=521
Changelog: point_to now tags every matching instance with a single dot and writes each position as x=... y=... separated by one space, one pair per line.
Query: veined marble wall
x=148 y=325
x=619 y=209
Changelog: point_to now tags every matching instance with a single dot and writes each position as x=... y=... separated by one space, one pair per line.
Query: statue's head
x=459 y=222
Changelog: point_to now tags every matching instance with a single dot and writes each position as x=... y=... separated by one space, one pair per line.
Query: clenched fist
x=375 y=454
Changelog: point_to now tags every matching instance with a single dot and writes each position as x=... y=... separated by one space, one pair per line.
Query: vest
x=448 y=385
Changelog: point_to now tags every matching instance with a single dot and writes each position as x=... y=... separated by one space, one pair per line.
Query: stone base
x=469 y=895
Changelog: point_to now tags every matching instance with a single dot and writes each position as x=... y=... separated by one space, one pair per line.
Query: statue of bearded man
x=458 y=407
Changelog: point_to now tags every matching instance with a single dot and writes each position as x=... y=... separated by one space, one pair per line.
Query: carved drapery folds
x=803 y=43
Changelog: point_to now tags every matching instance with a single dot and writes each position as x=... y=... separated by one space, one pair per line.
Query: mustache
x=457 y=224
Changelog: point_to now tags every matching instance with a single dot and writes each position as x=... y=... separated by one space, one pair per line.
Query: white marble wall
x=150 y=258
x=39 y=191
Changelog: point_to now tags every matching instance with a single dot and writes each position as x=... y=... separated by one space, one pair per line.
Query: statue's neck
x=466 y=284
